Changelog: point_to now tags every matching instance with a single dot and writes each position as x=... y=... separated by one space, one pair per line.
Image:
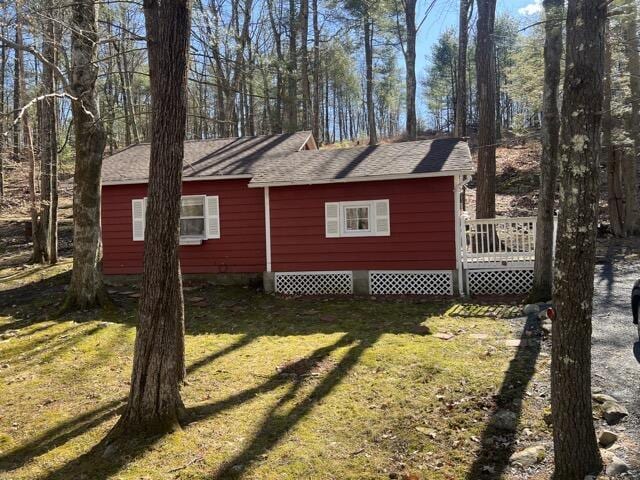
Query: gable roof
x=423 y=158
x=238 y=156
x=273 y=160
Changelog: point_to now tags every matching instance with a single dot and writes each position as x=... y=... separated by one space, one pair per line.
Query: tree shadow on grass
x=492 y=459
x=97 y=466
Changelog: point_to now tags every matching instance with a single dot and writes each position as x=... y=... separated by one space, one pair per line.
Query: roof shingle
x=277 y=160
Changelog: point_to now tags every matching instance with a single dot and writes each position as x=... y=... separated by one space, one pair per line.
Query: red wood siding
x=422 y=227
x=240 y=248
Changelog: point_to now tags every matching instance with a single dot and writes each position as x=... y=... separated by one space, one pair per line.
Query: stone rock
x=528 y=457
x=505 y=420
x=444 y=336
x=614 y=412
x=616 y=467
x=513 y=342
x=607 y=438
x=601 y=398
x=531 y=308
x=479 y=336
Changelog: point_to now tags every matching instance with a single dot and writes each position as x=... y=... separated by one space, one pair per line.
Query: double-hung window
x=366 y=218
x=199 y=219
x=192 y=218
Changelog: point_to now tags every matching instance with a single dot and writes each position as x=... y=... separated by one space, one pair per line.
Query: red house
x=378 y=220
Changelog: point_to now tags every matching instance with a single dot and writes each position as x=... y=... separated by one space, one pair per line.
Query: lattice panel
x=499 y=282
x=314 y=283
x=411 y=283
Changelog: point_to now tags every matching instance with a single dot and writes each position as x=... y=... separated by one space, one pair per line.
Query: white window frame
x=341 y=219
x=195 y=239
x=208 y=219
x=346 y=232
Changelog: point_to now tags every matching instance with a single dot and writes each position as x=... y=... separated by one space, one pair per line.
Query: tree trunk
x=486 y=81
x=3 y=65
x=292 y=65
x=154 y=404
x=86 y=288
x=460 y=129
x=632 y=51
x=615 y=198
x=315 y=127
x=410 y=61
x=304 y=64
x=48 y=145
x=18 y=80
x=368 y=53
x=575 y=447
x=543 y=266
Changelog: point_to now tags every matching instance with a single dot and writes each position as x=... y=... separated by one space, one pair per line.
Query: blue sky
x=445 y=15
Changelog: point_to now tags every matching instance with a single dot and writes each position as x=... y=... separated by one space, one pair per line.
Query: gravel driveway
x=616 y=349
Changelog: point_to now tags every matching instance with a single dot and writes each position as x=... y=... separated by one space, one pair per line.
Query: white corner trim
x=267 y=227
x=458 y=229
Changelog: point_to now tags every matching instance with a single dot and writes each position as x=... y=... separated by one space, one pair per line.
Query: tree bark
x=18 y=80
x=575 y=447
x=292 y=65
x=86 y=288
x=632 y=51
x=3 y=65
x=316 y=74
x=460 y=129
x=368 y=53
x=543 y=265
x=410 y=62
x=486 y=81
x=154 y=404
x=304 y=64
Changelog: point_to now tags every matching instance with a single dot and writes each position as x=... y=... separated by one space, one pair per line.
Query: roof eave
x=142 y=181
x=372 y=178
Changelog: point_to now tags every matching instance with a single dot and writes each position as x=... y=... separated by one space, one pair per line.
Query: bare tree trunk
x=304 y=63
x=3 y=65
x=410 y=61
x=486 y=80
x=18 y=79
x=368 y=53
x=48 y=143
x=575 y=446
x=86 y=288
x=154 y=402
x=316 y=73
x=632 y=51
x=615 y=199
x=460 y=129
x=543 y=266
x=292 y=65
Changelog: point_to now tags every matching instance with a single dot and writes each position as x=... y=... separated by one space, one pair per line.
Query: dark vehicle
x=635 y=303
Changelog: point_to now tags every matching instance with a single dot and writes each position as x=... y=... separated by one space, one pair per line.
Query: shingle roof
x=206 y=158
x=420 y=158
x=277 y=160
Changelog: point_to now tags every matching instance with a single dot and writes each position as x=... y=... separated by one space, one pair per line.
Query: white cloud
x=532 y=9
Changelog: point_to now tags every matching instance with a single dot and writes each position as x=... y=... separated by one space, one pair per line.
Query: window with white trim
x=192 y=217
x=199 y=218
x=366 y=218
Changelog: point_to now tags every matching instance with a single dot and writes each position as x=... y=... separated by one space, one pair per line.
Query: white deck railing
x=498 y=241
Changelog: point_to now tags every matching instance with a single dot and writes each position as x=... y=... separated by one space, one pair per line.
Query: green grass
x=276 y=388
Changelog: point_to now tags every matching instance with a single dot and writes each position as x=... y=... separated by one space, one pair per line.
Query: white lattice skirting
x=411 y=283
x=499 y=282
x=314 y=283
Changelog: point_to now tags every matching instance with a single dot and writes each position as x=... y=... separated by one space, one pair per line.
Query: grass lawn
x=276 y=388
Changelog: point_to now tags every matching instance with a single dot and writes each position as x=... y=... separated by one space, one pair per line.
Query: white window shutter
x=137 y=215
x=383 y=225
x=332 y=219
x=212 y=217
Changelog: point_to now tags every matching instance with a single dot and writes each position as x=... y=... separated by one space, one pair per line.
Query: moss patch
x=277 y=388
